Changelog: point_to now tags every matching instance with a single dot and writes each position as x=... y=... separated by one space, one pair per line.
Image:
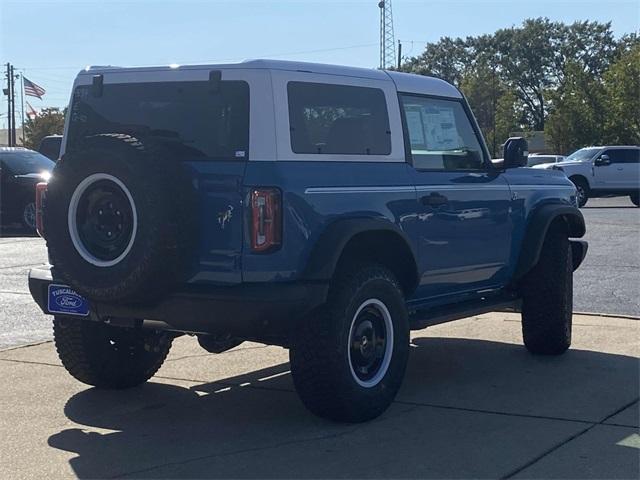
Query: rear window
x=338 y=119
x=187 y=118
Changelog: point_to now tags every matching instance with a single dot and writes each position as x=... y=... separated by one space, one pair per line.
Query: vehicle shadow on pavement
x=468 y=408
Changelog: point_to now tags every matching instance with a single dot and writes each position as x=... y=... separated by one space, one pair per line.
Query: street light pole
x=13 y=108
x=7 y=92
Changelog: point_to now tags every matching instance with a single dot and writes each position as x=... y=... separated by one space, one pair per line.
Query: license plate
x=63 y=299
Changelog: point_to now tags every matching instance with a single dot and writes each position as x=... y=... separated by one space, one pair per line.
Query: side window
x=440 y=134
x=616 y=156
x=632 y=155
x=338 y=119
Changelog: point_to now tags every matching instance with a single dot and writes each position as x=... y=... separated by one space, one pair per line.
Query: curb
x=25 y=345
x=609 y=315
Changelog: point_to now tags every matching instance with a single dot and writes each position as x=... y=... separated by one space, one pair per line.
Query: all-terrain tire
x=323 y=356
x=583 y=190
x=106 y=356
x=547 y=296
x=161 y=219
x=635 y=199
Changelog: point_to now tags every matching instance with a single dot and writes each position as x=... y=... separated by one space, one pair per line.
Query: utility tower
x=387 y=41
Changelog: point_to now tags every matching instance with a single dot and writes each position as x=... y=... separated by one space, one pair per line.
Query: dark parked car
x=20 y=170
x=50 y=146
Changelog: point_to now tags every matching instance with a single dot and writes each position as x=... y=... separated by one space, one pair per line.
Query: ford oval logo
x=68 y=301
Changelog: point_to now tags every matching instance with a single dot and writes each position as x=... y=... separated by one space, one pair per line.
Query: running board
x=433 y=316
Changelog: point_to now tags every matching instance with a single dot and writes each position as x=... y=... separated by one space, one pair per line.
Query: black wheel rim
x=368 y=345
x=104 y=220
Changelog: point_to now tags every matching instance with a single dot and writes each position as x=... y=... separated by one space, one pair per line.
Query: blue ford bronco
x=329 y=210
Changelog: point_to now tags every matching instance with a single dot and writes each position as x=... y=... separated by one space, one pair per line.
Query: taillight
x=41 y=191
x=266 y=219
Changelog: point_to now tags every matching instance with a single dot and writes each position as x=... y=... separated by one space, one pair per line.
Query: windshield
x=188 y=119
x=582 y=155
x=21 y=163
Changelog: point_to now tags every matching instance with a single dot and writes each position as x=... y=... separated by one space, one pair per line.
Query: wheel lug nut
x=109 y=234
x=100 y=212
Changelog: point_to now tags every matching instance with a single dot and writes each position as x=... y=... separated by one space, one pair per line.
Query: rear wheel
x=582 y=188
x=547 y=297
x=635 y=199
x=106 y=356
x=348 y=359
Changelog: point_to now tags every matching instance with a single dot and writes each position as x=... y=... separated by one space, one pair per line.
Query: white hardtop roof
x=405 y=82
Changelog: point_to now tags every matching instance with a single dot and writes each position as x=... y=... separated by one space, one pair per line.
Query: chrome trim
x=429 y=188
x=542 y=187
x=473 y=187
x=379 y=189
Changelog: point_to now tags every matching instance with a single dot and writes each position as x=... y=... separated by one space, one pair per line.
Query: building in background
x=4 y=136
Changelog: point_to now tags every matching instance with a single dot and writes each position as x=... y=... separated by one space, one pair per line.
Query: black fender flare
x=326 y=252
x=536 y=231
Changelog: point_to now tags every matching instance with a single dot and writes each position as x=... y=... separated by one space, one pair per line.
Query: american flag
x=32 y=89
x=31 y=112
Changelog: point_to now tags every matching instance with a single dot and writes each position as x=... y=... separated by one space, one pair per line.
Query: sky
x=50 y=41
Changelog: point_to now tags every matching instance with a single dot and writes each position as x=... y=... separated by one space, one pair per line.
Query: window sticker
x=440 y=128
x=415 y=127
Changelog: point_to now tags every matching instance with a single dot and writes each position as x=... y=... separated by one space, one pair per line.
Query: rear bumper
x=253 y=311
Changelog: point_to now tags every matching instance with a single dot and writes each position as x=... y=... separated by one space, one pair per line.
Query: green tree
x=492 y=104
x=49 y=121
x=446 y=59
x=531 y=60
x=576 y=118
x=622 y=99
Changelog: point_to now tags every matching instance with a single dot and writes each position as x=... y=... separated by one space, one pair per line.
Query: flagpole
x=22 y=97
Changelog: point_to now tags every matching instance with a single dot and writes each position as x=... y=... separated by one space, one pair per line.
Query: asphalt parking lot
x=607 y=282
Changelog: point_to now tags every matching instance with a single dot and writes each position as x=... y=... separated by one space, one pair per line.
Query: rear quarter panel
x=316 y=194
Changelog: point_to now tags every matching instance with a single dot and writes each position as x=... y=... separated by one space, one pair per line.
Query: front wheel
x=582 y=190
x=106 y=356
x=348 y=359
x=635 y=199
x=29 y=216
x=547 y=297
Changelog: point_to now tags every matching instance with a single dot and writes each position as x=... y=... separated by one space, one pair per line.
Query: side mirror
x=602 y=161
x=516 y=152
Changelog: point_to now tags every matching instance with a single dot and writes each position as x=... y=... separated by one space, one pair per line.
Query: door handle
x=434 y=199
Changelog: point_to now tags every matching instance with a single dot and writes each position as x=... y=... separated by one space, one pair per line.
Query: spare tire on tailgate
x=120 y=220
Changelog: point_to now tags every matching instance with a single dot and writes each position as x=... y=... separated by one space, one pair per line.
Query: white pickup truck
x=603 y=171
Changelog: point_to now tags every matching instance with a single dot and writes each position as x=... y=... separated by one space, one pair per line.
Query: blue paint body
x=468 y=245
